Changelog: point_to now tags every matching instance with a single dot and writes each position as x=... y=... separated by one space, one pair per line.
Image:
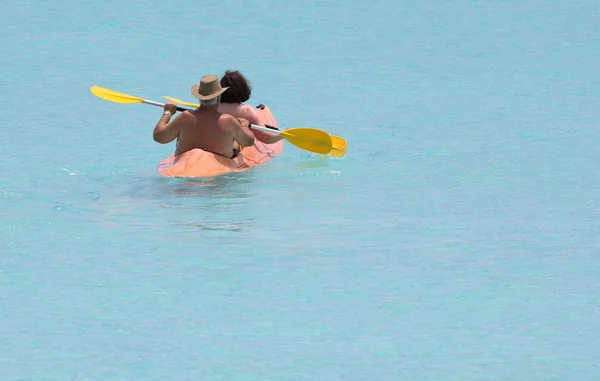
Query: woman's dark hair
x=239 y=88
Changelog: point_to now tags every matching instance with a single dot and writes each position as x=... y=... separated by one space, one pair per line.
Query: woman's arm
x=251 y=116
x=266 y=137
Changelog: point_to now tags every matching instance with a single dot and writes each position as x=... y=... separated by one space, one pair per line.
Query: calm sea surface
x=457 y=240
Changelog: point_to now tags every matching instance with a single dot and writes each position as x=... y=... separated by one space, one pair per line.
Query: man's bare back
x=206 y=129
x=203 y=128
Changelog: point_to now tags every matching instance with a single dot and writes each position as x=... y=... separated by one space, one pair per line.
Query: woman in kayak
x=232 y=103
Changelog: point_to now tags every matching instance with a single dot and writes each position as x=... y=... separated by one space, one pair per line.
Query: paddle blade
x=181 y=102
x=309 y=139
x=338 y=146
x=114 y=96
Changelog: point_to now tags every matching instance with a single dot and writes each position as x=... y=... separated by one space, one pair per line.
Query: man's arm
x=242 y=135
x=166 y=131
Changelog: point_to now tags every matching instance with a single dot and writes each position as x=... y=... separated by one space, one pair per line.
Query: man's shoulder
x=226 y=120
x=226 y=117
x=187 y=115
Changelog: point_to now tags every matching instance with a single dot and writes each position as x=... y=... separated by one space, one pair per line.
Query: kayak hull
x=200 y=163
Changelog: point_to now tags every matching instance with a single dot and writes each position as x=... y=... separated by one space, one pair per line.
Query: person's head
x=239 y=87
x=211 y=102
x=209 y=90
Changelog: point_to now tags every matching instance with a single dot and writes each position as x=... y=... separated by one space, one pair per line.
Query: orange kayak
x=200 y=163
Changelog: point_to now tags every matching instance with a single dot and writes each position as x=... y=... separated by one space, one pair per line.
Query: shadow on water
x=221 y=203
x=220 y=187
x=180 y=204
x=234 y=186
x=314 y=162
x=211 y=203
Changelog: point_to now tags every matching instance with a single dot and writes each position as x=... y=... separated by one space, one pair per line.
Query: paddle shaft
x=162 y=105
x=265 y=128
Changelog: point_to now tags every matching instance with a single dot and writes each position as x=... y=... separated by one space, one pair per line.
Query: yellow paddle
x=338 y=143
x=309 y=139
x=195 y=105
x=338 y=146
x=116 y=97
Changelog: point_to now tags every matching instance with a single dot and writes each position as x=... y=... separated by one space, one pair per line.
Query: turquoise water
x=457 y=240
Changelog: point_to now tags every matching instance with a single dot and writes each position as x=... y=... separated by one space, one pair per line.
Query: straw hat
x=209 y=88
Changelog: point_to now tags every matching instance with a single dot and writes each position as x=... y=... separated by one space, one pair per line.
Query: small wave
x=71 y=173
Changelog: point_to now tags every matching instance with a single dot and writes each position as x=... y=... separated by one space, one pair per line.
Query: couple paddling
x=222 y=122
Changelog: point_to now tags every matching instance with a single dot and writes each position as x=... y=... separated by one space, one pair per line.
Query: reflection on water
x=234 y=186
x=210 y=205
x=179 y=204
x=227 y=186
x=313 y=162
x=234 y=226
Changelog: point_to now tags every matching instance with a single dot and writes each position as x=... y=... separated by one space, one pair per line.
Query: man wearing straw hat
x=204 y=127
